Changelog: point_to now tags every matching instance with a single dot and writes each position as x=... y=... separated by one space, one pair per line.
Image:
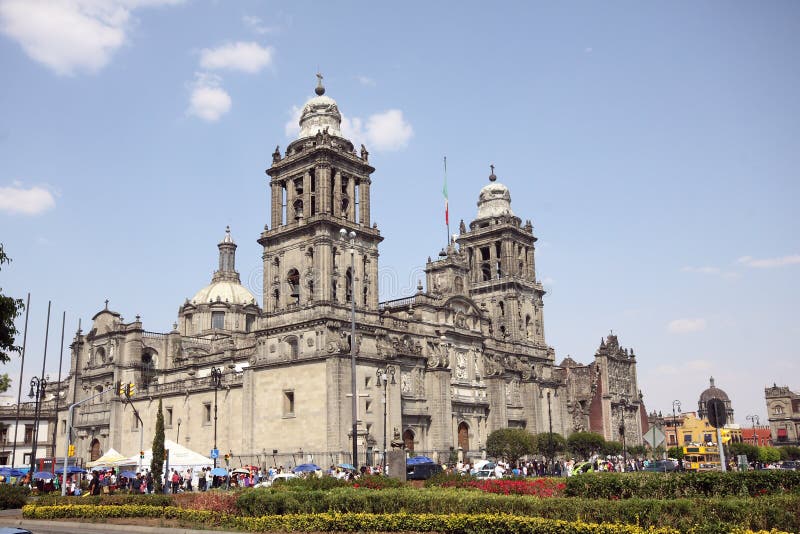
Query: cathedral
x=437 y=371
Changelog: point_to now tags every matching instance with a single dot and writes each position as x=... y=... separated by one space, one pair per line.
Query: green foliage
x=789 y=452
x=447 y=479
x=769 y=454
x=585 y=444
x=751 y=451
x=549 y=444
x=510 y=444
x=13 y=496
x=118 y=499
x=314 y=483
x=157 y=463
x=611 y=448
x=684 y=485
x=637 y=450
x=10 y=309
x=675 y=452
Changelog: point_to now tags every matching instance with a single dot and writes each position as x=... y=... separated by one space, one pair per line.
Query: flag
x=444 y=192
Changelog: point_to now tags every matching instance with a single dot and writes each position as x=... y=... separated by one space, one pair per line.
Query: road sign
x=214 y=454
x=656 y=440
x=717 y=416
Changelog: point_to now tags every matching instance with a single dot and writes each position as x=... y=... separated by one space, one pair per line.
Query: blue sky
x=653 y=145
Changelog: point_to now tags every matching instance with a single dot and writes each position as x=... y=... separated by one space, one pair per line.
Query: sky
x=655 y=146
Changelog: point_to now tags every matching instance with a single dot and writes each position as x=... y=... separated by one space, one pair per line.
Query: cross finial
x=492 y=177
x=106 y=303
x=320 y=90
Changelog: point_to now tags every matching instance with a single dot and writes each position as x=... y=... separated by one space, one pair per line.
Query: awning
x=782 y=433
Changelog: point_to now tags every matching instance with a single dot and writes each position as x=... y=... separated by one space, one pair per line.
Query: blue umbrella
x=44 y=475
x=347 y=466
x=11 y=472
x=219 y=472
x=306 y=468
x=416 y=460
x=71 y=470
x=128 y=474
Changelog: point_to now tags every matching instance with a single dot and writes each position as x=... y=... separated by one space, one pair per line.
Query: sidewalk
x=13 y=518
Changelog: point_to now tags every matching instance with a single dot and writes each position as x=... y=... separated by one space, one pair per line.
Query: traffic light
x=141 y=455
x=726 y=435
x=120 y=389
x=227 y=458
x=130 y=390
x=71 y=450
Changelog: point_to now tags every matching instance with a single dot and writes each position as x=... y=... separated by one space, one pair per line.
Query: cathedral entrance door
x=463 y=436
x=95 y=452
x=408 y=439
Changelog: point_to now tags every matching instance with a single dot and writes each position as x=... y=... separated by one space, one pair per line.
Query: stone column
x=363 y=209
x=438 y=394
x=351 y=195
x=277 y=198
x=290 y=198
x=322 y=176
x=307 y=195
x=496 y=393
x=336 y=209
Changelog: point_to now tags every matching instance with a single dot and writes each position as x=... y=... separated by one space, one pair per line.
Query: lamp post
x=352 y=235
x=216 y=381
x=178 y=435
x=624 y=405
x=676 y=405
x=383 y=376
x=38 y=386
x=754 y=419
x=550 y=433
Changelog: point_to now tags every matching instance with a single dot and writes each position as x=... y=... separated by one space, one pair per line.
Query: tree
x=769 y=455
x=10 y=309
x=612 y=448
x=751 y=451
x=157 y=463
x=585 y=444
x=675 y=452
x=637 y=450
x=549 y=444
x=789 y=452
x=510 y=444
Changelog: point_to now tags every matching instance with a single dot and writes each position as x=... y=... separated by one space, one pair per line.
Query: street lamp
x=38 y=386
x=216 y=381
x=676 y=405
x=352 y=235
x=754 y=419
x=383 y=376
x=624 y=405
x=550 y=434
x=178 y=436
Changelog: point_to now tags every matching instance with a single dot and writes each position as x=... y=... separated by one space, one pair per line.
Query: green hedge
x=677 y=485
x=714 y=514
x=153 y=499
x=13 y=496
x=402 y=522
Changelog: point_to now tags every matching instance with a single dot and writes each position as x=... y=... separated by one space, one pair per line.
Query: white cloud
x=683 y=326
x=32 y=201
x=292 y=126
x=256 y=24
x=769 y=263
x=383 y=132
x=247 y=57
x=208 y=100
x=70 y=35
x=365 y=80
x=388 y=130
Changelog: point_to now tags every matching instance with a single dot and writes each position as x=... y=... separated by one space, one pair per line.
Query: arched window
x=348 y=292
x=148 y=369
x=528 y=326
x=276 y=298
x=366 y=295
x=218 y=320
x=294 y=351
x=293 y=278
x=458 y=284
x=333 y=290
x=502 y=307
x=298 y=208
x=94 y=450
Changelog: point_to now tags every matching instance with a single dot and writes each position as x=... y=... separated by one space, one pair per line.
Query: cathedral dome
x=494 y=199
x=224 y=291
x=319 y=114
x=713 y=392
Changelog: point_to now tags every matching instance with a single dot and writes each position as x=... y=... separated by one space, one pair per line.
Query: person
x=176 y=481
x=94 y=485
x=201 y=480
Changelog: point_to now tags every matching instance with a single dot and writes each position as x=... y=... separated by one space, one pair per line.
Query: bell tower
x=320 y=186
x=502 y=273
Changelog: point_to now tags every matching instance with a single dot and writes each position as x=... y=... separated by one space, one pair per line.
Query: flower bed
x=538 y=487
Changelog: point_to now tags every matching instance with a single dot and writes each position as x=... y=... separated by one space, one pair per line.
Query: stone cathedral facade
x=467 y=352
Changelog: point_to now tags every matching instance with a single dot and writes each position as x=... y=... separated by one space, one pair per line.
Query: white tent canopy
x=111 y=457
x=179 y=457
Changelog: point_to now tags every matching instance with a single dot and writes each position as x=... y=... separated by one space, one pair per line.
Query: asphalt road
x=69 y=527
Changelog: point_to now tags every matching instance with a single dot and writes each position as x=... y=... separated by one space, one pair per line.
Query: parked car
x=661 y=466
x=486 y=474
x=791 y=465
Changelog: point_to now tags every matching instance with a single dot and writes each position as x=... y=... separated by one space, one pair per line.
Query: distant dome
x=319 y=113
x=713 y=392
x=227 y=291
x=494 y=201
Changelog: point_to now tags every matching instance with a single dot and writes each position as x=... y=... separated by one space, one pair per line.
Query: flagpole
x=19 y=389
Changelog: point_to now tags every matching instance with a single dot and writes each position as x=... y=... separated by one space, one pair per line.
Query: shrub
x=314 y=483
x=445 y=479
x=153 y=499
x=538 y=487
x=214 y=500
x=13 y=496
x=377 y=482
